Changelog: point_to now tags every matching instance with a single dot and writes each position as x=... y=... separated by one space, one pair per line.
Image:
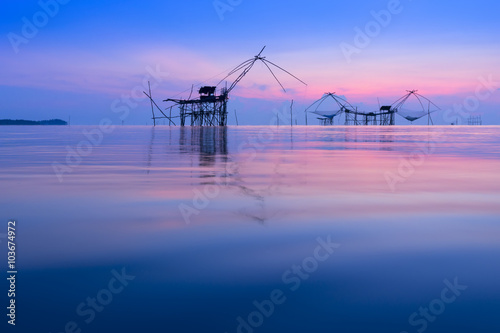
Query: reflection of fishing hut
x=208 y=143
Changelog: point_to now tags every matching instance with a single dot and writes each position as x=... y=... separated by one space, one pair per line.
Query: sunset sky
x=88 y=59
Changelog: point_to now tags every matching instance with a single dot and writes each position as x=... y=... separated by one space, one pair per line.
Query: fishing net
x=414 y=106
x=412 y=115
x=329 y=106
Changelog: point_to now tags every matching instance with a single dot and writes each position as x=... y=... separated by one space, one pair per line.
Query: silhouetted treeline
x=32 y=122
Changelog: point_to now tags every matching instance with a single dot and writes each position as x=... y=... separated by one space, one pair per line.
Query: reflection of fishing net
x=413 y=106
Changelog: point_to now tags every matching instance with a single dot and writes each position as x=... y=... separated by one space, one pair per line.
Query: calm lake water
x=253 y=229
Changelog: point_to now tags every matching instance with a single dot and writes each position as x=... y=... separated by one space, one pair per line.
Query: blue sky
x=87 y=57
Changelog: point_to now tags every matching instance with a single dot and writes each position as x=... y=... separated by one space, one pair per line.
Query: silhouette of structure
x=474 y=120
x=425 y=107
x=385 y=116
x=210 y=109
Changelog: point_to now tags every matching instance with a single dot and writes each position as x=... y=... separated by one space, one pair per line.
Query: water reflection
x=320 y=171
x=276 y=194
x=224 y=170
x=208 y=143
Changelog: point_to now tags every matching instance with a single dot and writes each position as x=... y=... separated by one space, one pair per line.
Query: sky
x=91 y=60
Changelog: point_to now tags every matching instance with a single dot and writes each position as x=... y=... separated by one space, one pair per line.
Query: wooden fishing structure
x=475 y=120
x=210 y=107
x=385 y=116
x=425 y=107
x=207 y=110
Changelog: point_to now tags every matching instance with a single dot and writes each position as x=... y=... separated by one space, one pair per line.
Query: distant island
x=32 y=122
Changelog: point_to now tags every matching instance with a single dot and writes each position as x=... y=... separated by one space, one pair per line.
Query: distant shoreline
x=32 y=122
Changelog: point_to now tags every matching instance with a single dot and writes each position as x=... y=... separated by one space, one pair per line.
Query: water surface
x=209 y=222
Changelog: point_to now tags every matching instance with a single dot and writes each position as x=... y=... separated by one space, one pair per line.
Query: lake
x=253 y=228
